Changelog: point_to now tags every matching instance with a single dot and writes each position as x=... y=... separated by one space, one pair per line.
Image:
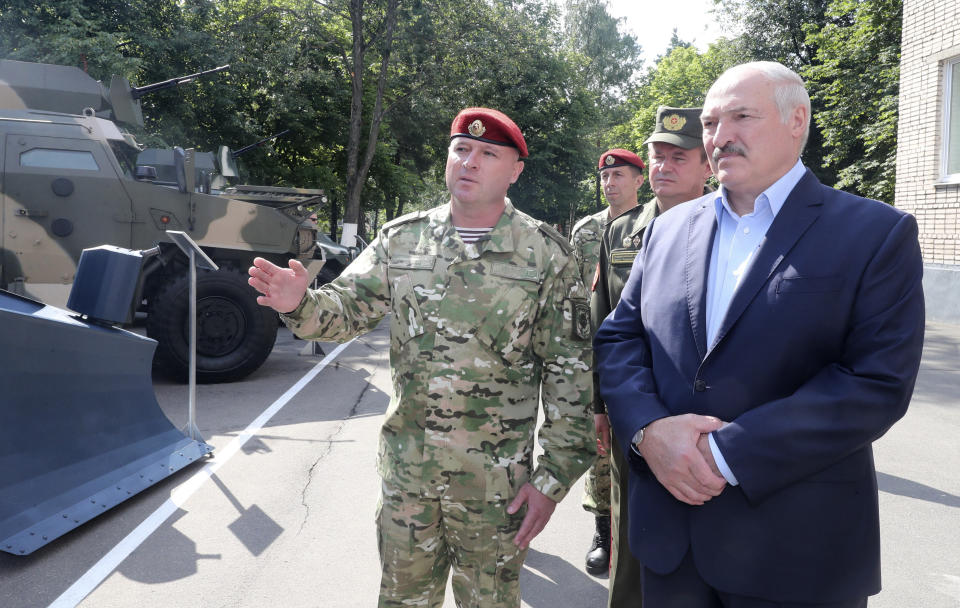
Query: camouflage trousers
x=596 y=487
x=422 y=539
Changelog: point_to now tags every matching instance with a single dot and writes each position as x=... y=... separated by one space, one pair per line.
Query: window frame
x=949 y=66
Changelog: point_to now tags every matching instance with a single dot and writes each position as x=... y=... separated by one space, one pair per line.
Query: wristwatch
x=638 y=437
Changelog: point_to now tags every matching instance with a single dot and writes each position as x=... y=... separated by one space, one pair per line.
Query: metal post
x=196 y=256
x=192 y=429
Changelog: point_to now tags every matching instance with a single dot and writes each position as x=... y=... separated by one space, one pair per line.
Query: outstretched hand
x=539 y=510
x=282 y=288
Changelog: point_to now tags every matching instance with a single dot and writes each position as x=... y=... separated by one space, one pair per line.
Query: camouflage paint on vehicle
x=69 y=182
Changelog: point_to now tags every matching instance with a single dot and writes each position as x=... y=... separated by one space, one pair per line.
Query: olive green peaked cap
x=678 y=126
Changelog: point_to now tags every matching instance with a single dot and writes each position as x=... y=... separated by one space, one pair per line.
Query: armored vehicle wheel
x=234 y=333
x=326 y=275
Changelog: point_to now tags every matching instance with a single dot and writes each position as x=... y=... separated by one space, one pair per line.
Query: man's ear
x=517 y=170
x=798 y=121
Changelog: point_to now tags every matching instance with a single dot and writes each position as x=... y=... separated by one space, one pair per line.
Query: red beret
x=619 y=157
x=488 y=125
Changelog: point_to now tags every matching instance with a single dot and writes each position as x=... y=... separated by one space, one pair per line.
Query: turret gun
x=125 y=99
x=227 y=157
x=138 y=92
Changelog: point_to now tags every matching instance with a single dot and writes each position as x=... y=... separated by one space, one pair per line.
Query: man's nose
x=470 y=159
x=722 y=134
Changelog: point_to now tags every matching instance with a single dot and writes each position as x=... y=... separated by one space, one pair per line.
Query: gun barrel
x=138 y=92
x=259 y=143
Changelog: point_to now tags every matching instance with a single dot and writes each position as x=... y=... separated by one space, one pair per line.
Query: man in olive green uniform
x=621 y=175
x=489 y=318
x=678 y=172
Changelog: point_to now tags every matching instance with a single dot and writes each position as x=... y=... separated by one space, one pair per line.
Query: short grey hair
x=790 y=91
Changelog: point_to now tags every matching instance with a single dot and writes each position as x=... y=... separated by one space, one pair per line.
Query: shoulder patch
x=551 y=232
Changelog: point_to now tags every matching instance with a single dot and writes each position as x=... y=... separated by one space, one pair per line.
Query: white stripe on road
x=109 y=562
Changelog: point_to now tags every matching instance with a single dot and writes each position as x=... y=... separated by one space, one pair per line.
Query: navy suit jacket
x=815 y=359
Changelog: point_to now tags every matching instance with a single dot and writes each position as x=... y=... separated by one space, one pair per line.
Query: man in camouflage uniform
x=678 y=172
x=483 y=329
x=621 y=175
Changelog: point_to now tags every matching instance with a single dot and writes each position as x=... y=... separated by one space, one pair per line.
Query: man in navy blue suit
x=768 y=334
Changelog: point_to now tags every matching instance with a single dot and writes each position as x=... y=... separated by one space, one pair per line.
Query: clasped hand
x=678 y=453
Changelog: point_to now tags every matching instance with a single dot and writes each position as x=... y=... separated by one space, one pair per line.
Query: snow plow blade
x=80 y=427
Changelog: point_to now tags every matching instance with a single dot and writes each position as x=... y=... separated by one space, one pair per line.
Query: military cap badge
x=610 y=159
x=476 y=128
x=674 y=122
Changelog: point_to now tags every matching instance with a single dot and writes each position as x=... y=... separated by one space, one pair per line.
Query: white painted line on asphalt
x=109 y=562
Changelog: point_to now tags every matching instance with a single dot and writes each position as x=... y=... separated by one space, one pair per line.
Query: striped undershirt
x=472 y=235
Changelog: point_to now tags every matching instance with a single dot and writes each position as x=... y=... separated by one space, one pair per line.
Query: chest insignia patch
x=621 y=257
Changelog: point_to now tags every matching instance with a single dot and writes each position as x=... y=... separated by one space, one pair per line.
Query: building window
x=59 y=159
x=950 y=169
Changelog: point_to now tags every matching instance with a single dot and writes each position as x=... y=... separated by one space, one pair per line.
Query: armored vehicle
x=70 y=181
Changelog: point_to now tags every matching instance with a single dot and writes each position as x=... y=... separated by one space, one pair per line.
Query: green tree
x=856 y=78
x=605 y=62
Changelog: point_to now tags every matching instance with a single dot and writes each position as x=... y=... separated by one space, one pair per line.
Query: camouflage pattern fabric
x=585 y=239
x=421 y=539
x=480 y=335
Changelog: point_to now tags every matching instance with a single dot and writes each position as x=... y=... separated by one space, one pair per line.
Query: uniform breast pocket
x=507 y=327
x=407 y=321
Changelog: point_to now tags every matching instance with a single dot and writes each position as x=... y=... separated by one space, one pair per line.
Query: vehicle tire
x=234 y=333
x=326 y=274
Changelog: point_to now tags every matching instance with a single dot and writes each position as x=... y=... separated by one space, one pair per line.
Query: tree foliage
x=856 y=78
x=366 y=89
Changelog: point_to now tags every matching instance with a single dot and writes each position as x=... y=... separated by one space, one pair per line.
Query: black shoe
x=598 y=557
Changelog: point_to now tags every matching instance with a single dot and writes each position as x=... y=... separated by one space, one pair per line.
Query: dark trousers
x=684 y=588
x=625 y=571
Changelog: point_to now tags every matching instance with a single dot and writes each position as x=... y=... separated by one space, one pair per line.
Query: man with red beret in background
x=490 y=317
x=621 y=175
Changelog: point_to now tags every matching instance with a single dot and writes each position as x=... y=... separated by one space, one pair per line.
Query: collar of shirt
x=499 y=239
x=773 y=197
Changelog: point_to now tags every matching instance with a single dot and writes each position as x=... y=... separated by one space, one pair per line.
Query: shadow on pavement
x=548 y=581
x=892 y=484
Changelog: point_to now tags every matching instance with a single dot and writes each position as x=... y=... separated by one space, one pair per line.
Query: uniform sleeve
x=350 y=305
x=562 y=343
x=600 y=308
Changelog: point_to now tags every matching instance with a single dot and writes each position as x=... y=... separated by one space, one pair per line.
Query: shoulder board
x=551 y=232
x=405 y=219
x=581 y=222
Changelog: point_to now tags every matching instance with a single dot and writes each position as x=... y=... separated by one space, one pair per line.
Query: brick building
x=928 y=153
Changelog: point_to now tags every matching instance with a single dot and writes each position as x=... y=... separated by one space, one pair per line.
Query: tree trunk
x=356 y=170
x=334 y=217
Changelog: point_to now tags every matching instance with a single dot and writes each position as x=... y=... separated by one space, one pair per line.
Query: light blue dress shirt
x=735 y=246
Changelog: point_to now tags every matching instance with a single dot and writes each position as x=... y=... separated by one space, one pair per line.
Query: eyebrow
x=740 y=108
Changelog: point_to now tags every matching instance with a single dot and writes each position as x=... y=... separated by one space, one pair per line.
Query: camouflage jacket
x=585 y=240
x=476 y=331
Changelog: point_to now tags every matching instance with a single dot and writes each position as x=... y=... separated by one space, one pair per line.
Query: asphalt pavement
x=283 y=515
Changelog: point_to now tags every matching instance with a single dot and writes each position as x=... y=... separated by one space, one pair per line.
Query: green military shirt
x=585 y=239
x=477 y=330
x=619 y=246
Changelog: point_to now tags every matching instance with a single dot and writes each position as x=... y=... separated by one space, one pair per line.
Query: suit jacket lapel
x=798 y=213
x=700 y=235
